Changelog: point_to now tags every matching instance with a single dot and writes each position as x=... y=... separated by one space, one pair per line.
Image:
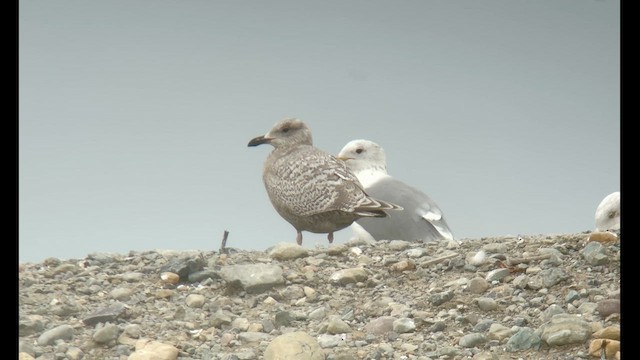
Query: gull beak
x=344 y=158
x=259 y=140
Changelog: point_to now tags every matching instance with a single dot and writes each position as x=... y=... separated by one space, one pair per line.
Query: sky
x=134 y=117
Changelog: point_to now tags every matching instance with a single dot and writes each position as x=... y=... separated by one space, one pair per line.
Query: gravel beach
x=512 y=297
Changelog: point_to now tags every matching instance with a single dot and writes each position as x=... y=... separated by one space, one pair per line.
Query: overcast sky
x=134 y=116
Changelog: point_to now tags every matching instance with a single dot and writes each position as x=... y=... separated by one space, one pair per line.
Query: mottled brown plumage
x=310 y=188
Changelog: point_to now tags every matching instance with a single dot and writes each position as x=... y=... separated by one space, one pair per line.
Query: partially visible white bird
x=421 y=219
x=608 y=213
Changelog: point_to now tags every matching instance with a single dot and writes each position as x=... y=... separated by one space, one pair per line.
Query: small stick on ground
x=439 y=259
x=223 y=250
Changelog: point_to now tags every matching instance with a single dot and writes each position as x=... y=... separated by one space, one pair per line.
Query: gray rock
x=107 y=314
x=553 y=276
x=26 y=347
x=133 y=276
x=121 y=293
x=318 y=314
x=198 y=276
x=482 y=325
x=608 y=306
x=486 y=304
x=416 y=253
x=497 y=274
x=551 y=311
x=525 y=338
x=337 y=326
x=288 y=251
x=74 y=353
x=478 y=285
x=495 y=248
x=330 y=341
x=380 y=326
x=521 y=281
x=219 y=319
x=293 y=291
x=195 y=300
x=498 y=332
x=595 y=254
x=241 y=324
x=63 y=268
x=183 y=266
x=133 y=330
x=404 y=325
x=572 y=295
x=253 y=278
x=106 y=334
x=349 y=276
x=267 y=325
x=253 y=337
x=33 y=324
x=472 y=340
x=565 y=329
x=154 y=350
x=64 y=332
x=440 y=298
x=398 y=245
x=283 y=318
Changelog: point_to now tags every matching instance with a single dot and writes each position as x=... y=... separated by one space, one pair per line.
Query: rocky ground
x=524 y=297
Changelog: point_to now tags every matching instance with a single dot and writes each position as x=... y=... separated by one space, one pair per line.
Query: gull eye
x=285 y=129
x=359 y=151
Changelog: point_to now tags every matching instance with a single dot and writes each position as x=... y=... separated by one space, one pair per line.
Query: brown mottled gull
x=421 y=219
x=310 y=188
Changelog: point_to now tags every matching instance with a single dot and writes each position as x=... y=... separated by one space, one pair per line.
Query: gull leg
x=330 y=237
x=299 y=238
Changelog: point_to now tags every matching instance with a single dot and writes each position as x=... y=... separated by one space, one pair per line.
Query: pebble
x=472 y=340
x=330 y=341
x=349 y=276
x=25 y=356
x=296 y=345
x=106 y=334
x=381 y=325
x=170 y=277
x=64 y=332
x=608 y=307
x=478 y=285
x=121 y=293
x=595 y=254
x=398 y=245
x=498 y=332
x=611 y=347
x=404 y=325
x=525 y=338
x=183 y=265
x=565 y=329
x=610 y=332
x=153 y=350
x=603 y=237
x=288 y=251
x=486 y=303
x=253 y=278
x=497 y=274
x=109 y=313
x=195 y=300
x=441 y=298
x=253 y=337
x=368 y=310
x=337 y=326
